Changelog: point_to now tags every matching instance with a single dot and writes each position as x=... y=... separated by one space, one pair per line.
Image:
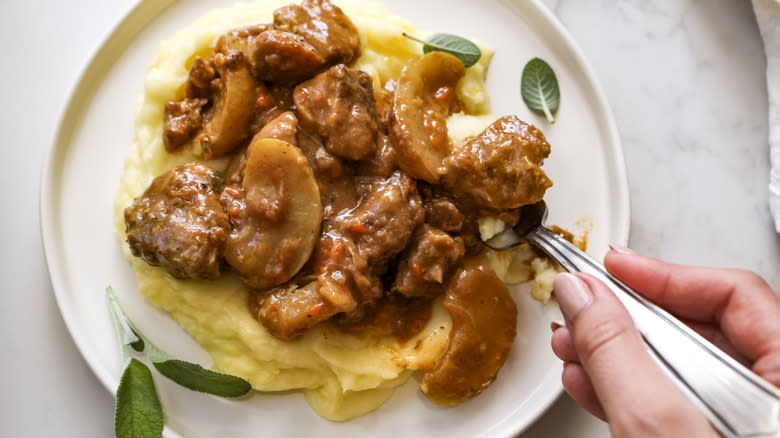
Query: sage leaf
x=128 y=333
x=138 y=410
x=539 y=88
x=463 y=49
x=197 y=378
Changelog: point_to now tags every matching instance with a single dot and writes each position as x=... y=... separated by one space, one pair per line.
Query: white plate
x=80 y=178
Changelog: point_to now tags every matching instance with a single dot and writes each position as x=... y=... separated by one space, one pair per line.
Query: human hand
x=607 y=368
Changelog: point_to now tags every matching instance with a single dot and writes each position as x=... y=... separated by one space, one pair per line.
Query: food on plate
x=483 y=328
x=499 y=168
x=424 y=97
x=274 y=214
x=307 y=196
x=179 y=223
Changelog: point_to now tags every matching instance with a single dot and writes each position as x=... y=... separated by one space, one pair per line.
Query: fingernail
x=555 y=325
x=573 y=295
x=621 y=249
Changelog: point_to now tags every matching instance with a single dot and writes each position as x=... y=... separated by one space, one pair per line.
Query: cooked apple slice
x=228 y=124
x=279 y=220
x=423 y=98
x=484 y=320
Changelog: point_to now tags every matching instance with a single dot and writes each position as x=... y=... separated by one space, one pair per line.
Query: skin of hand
x=607 y=368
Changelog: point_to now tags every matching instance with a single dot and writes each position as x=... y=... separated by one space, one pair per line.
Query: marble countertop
x=686 y=82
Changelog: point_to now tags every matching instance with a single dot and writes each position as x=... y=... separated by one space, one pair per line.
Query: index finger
x=740 y=302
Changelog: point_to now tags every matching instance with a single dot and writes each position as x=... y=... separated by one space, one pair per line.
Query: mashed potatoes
x=341 y=375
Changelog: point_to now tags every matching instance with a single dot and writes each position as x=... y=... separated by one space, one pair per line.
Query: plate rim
x=80 y=90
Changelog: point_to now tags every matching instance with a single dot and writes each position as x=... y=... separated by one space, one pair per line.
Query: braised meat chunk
x=500 y=168
x=272 y=101
x=179 y=223
x=289 y=311
x=334 y=175
x=345 y=278
x=183 y=120
x=339 y=106
x=358 y=243
x=442 y=213
x=283 y=57
x=428 y=264
x=385 y=219
x=199 y=82
x=239 y=40
x=323 y=26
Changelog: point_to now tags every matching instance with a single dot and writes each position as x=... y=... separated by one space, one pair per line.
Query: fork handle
x=736 y=401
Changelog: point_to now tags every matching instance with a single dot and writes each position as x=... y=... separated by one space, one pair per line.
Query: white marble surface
x=685 y=80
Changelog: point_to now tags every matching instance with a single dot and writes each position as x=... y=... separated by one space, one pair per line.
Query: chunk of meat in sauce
x=179 y=223
x=182 y=120
x=335 y=178
x=384 y=221
x=339 y=106
x=346 y=279
x=289 y=311
x=284 y=127
x=484 y=319
x=199 y=82
x=499 y=168
x=358 y=243
x=324 y=26
x=240 y=40
x=442 y=213
x=233 y=110
x=384 y=160
x=272 y=101
x=428 y=263
x=283 y=57
x=384 y=104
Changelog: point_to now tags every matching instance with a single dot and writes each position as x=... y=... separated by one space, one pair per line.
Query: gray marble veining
x=686 y=81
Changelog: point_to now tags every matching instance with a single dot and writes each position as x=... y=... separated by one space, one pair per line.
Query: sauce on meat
x=179 y=223
x=342 y=202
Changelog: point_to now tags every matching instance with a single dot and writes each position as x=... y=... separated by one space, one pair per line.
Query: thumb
x=637 y=397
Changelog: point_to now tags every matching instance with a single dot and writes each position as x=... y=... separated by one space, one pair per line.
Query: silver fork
x=736 y=401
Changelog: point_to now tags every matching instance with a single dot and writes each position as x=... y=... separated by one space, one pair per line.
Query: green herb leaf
x=463 y=49
x=138 y=410
x=539 y=88
x=127 y=331
x=197 y=378
x=189 y=375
